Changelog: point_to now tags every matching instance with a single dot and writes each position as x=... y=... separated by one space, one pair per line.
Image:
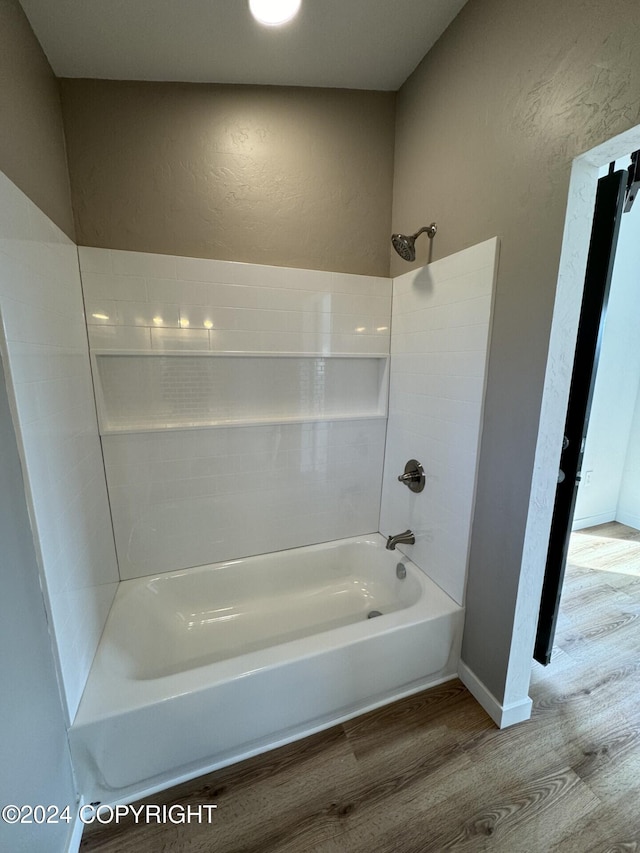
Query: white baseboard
x=592 y=520
x=502 y=715
x=629 y=519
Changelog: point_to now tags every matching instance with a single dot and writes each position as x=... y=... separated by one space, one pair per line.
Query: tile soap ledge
x=207 y=353
x=143 y=428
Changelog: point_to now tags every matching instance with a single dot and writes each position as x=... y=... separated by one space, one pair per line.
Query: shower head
x=406 y=246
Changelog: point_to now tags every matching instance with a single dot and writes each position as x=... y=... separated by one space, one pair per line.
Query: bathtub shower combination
x=244 y=413
x=200 y=668
x=211 y=654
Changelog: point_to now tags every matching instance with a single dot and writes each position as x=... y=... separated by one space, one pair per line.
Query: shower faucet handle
x=413 y=476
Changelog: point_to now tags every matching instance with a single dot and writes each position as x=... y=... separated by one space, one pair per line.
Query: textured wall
x=487 y=128
x=32 y=151
x=284 y=176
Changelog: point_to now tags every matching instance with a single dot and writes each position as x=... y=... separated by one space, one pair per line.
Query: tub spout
x=406 y=538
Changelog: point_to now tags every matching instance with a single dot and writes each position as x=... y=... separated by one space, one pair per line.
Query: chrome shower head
x=405 y=245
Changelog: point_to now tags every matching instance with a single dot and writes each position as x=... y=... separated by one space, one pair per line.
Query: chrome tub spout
x=406 y=538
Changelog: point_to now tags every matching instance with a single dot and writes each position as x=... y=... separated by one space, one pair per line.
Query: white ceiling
x=360 y=44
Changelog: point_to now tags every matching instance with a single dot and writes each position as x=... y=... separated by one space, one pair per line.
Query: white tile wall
x=199 y=304
x=46 y=357
x=186 y=498
x=191 y=497
x=439 y=344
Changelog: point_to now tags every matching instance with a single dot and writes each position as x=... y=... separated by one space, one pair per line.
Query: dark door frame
x=604 y=237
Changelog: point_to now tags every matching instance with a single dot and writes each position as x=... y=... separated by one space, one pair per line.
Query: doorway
x=606 y=526
x=609 y=488
x=577 y=229
x=600 y=426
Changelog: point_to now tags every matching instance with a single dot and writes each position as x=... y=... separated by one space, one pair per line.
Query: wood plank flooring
x=610 y=547
x=433 y=773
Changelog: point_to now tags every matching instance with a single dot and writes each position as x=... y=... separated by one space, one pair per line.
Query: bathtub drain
x=373 y=613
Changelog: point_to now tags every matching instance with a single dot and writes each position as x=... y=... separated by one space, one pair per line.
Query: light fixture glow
x=208 y=324
x=184 y=322
x=101 y=316
x=273 y=13
x=158 y=321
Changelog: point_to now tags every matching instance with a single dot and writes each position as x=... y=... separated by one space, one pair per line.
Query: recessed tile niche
x=144 y=391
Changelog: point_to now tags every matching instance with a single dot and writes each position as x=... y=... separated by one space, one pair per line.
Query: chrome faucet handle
x=413 y=476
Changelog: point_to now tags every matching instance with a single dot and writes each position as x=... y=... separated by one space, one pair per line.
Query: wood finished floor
x=433 y=773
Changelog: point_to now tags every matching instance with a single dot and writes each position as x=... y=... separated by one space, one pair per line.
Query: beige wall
x=286 y=176
x=487 y=127
x=32 y=152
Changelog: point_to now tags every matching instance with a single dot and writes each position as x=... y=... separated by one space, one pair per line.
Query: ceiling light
x=101 y=316
x=272 y=13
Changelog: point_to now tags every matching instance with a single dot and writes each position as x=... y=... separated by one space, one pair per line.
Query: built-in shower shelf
x=143 y=391
x=134 y=428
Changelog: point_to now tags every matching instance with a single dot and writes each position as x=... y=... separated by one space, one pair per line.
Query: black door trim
x=602 y=246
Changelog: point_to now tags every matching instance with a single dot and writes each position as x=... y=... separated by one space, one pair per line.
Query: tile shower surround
x=199 y=483
x=49 y=382
x=232 y=491
x=192 y=497
x=143 y=301
x=439 y=345
x=180 y=479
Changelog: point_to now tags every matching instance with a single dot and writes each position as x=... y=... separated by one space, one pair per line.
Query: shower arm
x=430 y=230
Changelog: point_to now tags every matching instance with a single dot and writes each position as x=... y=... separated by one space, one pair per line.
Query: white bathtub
x=200 y=668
